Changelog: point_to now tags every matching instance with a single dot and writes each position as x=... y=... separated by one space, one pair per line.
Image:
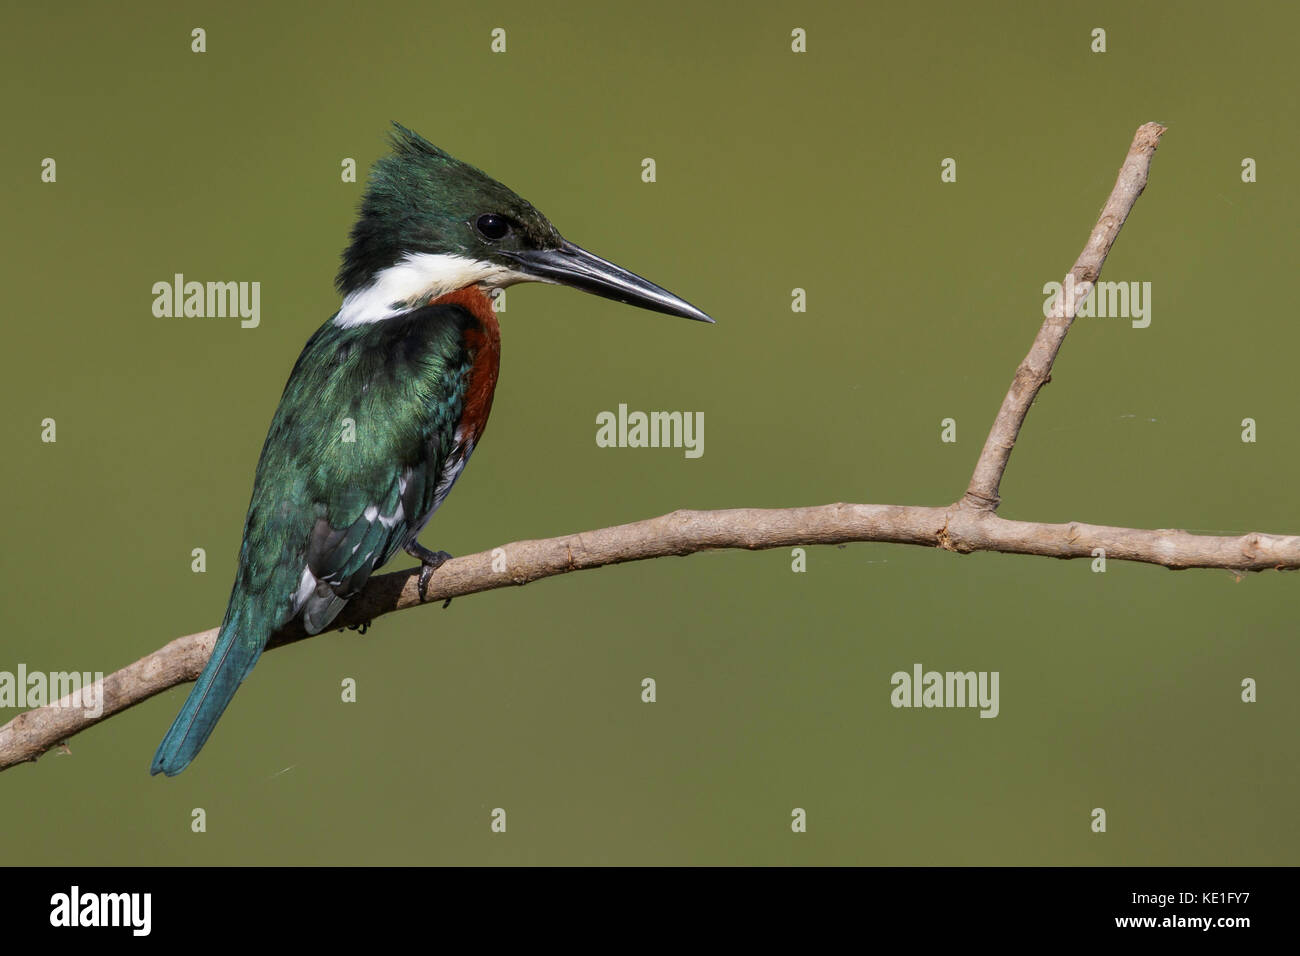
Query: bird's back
x=374 y=426
x=375 y=423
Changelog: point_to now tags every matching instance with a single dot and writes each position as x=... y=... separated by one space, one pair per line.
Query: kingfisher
x=386 y=403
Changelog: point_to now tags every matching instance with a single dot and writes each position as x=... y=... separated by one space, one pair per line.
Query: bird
x=386 y=403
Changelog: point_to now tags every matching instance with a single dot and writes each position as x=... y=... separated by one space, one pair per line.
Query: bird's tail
x=237 y=649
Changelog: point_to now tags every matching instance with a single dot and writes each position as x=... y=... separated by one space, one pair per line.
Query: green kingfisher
x=386 y=403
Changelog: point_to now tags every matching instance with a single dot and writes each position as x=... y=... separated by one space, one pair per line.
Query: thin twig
x=1036 y=370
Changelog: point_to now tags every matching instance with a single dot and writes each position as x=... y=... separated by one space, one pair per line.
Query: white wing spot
x=306 y=585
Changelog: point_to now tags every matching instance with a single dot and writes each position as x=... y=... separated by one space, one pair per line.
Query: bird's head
x=430 y=225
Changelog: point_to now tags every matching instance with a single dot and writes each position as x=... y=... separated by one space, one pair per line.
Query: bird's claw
x=430 y=561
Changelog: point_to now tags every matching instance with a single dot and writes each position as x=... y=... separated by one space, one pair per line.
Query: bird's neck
x=473 y=299
x=417 y=279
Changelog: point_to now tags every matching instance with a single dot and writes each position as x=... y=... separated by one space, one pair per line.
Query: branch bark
x=967 y=525
x=1036 y=370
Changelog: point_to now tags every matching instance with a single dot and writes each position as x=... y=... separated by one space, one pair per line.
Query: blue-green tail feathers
x=233 y=656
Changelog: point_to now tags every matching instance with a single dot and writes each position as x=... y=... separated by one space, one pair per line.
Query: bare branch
x=968 y=525
x=957 y=529
x=1036 y=370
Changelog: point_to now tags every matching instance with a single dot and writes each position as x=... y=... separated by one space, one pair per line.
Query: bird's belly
x=451 y=470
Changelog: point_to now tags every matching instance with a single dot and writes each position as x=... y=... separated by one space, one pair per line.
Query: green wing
x=354 y=458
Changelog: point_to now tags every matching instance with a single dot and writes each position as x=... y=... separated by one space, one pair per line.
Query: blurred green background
x=775 y=170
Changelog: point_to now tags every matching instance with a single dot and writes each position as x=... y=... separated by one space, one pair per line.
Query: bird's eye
x=492 y=227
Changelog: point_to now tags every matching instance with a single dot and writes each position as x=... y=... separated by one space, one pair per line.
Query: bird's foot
x=359 y=628
x=430 y=561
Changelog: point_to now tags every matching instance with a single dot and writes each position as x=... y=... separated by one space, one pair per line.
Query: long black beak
x=573 y=266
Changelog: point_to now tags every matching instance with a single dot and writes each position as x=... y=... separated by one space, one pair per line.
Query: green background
x=775 y=170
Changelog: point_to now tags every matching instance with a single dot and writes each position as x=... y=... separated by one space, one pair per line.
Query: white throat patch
x=418 y=278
